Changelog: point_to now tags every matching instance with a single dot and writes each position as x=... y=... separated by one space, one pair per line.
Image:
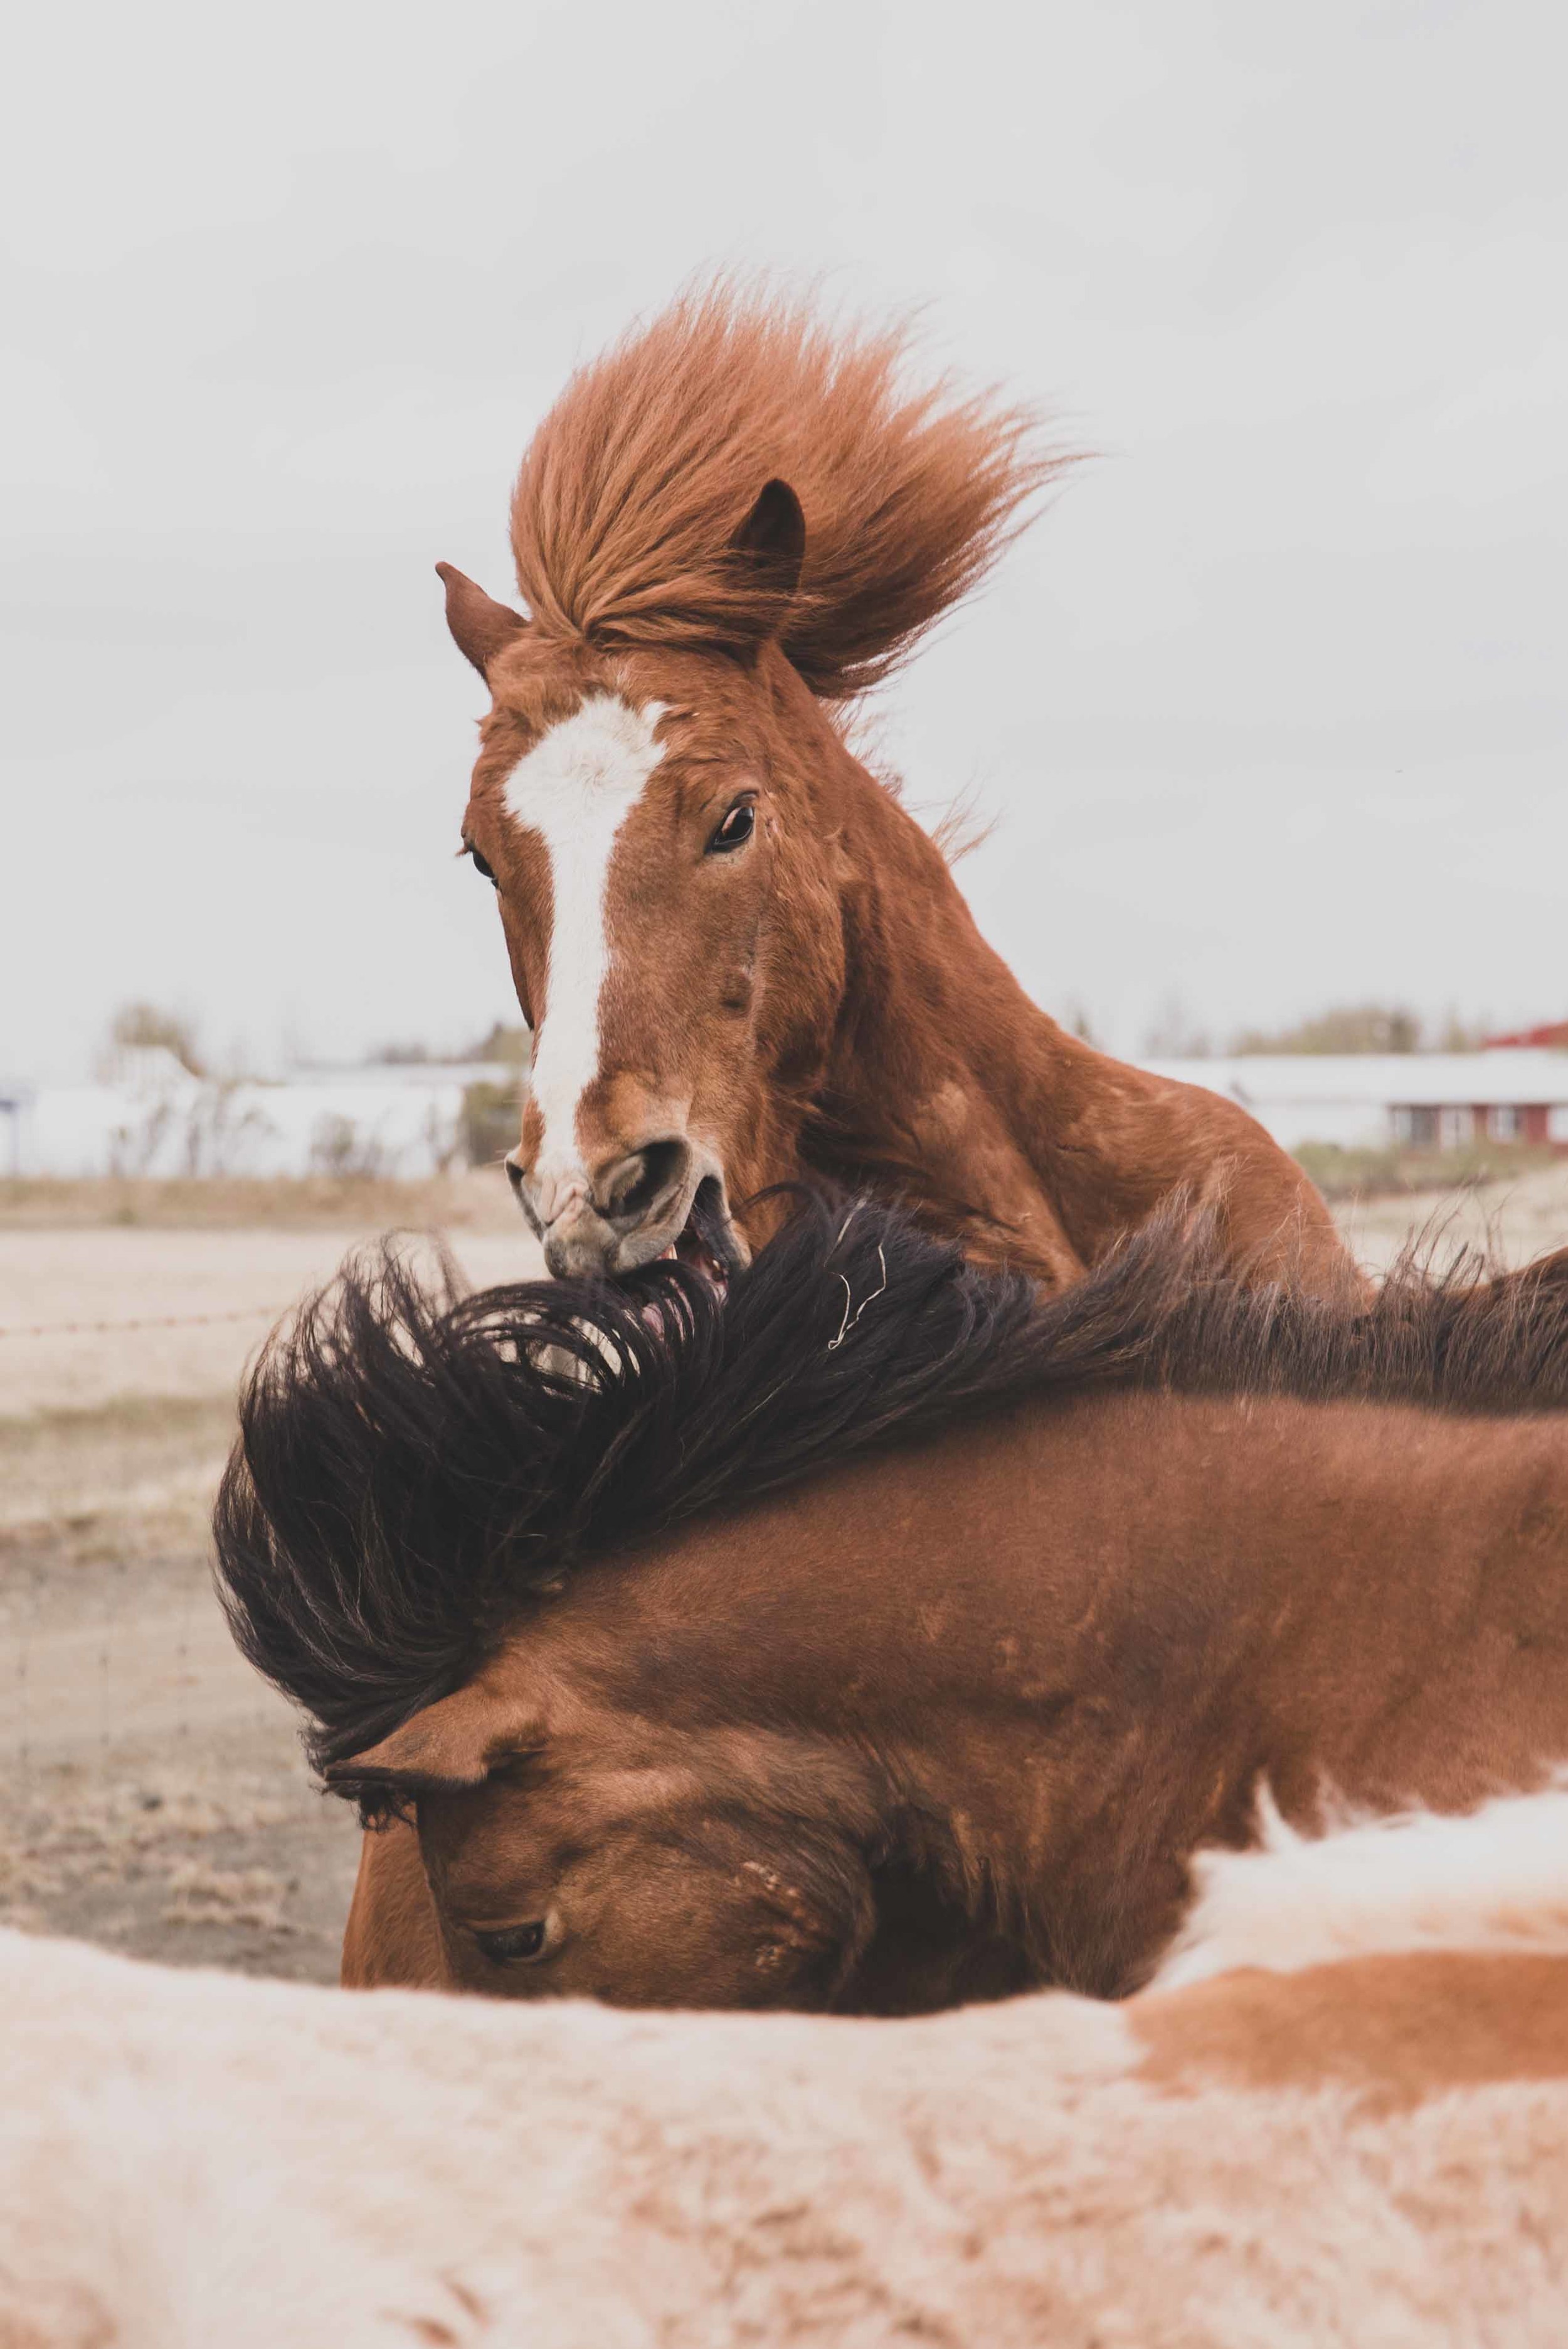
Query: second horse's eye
x=518 y=1945
x=480 y=866
x=735 y=831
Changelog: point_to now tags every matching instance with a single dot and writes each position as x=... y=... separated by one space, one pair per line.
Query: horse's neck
x=1104 y=1630
x=946 y=1086
x=944 y=1080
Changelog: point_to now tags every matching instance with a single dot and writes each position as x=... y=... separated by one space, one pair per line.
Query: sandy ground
x=1509 y=1222
x=158 y=1800
x=89 y=1313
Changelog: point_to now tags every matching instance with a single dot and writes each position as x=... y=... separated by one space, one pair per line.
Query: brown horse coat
x=1028 y=1671
x=1371 y=2149
x=938 y=1721
x=740 y=956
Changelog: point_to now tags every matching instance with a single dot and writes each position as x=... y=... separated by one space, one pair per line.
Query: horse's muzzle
x=667 y=1198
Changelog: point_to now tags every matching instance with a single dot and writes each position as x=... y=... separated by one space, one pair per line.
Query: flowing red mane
x=654 y=455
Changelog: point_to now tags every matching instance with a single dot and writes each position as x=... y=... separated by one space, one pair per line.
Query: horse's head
x=651 y=821
x=689 y=861
x=596 y=1821
x=573 y=1848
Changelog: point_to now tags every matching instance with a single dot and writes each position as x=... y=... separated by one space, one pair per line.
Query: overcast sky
x=1271 y=707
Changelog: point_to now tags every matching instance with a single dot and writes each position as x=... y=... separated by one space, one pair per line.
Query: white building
x=154 y=1118
x=1376 y=1099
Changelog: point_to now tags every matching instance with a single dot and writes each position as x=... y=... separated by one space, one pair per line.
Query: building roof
x=1415 y=1080
x=1552 y=1037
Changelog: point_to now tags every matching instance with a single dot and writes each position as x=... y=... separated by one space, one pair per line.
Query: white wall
x=1349 y=1097
x=195 y=1129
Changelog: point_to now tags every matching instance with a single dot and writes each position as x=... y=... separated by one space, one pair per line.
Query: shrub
x=1377 y=1173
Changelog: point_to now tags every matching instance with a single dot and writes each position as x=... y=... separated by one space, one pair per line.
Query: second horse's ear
x=480 y=627
x=771 y=543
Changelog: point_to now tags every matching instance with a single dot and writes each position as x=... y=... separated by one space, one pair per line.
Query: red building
x=1552 y=1038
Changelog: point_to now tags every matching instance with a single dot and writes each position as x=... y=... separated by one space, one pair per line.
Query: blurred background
x=1271 y=708
x=1268 y=712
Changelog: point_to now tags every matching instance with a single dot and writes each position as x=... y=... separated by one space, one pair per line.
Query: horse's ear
x=451 y=1744
x=771 y=543
x=480 y=627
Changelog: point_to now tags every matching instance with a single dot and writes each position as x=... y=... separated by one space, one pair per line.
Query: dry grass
x=478 y=1199
x=1347 y=1175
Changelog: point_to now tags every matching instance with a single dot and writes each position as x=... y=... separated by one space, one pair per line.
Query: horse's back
x=1371 y=2149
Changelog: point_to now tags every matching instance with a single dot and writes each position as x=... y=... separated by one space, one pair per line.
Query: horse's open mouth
x=707 y=1241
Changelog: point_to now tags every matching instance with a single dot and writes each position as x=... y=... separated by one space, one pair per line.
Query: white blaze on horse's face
x=574 y=791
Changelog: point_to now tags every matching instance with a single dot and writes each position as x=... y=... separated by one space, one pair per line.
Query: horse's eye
x=480 y=866
x=517 y=1945
x=735 y=831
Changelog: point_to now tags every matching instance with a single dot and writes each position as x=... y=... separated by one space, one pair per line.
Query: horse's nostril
x=640 y=1182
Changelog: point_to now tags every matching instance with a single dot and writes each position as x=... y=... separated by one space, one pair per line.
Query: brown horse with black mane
x=740 y=957
x=887 y=1633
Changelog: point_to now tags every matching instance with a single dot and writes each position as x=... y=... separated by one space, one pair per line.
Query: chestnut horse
x=888 y=1634
x=740 y=957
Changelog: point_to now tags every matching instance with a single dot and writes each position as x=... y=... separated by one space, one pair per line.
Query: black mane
x=414 y=1463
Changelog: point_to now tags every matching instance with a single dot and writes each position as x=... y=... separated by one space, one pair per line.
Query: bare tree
x=144 y=1027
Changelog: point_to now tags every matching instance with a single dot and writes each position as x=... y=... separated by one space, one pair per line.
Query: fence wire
x=144 y=1321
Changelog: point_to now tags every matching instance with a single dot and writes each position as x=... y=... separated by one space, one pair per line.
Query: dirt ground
x=159 y=1803
x=1507 y=1222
